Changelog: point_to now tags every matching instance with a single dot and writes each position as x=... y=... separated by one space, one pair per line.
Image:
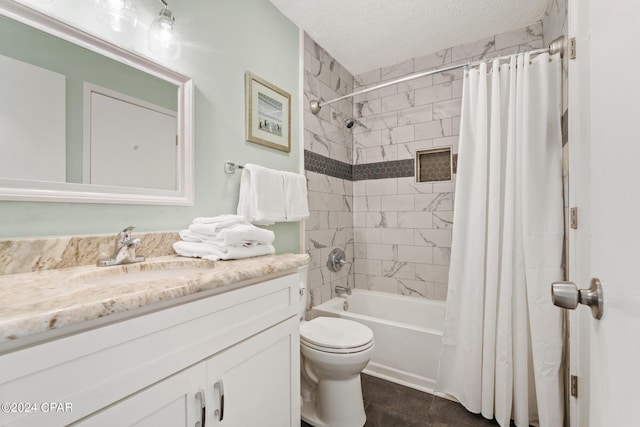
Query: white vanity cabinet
x=231 y=359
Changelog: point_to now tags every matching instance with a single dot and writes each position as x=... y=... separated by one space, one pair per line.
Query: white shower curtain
x=502 y=344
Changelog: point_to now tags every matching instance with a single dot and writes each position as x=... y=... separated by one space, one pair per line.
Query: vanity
x=166 y=342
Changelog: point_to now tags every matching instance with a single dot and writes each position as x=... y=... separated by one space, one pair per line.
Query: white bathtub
x=407 y=333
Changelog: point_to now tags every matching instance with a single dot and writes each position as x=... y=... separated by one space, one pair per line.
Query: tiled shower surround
x=396 y=233
x=328 y=164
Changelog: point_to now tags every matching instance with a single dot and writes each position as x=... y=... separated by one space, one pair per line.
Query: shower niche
x=435 y=165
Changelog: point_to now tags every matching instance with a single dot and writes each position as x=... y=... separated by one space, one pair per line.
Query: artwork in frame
x=268 y=113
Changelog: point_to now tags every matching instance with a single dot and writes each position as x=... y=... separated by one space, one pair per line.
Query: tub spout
x=342 y=291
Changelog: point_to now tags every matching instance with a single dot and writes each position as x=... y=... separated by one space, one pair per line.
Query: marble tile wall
x=402 y=229
x=328 y=160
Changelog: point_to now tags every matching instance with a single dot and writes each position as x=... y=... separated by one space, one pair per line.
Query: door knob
x=567 y=295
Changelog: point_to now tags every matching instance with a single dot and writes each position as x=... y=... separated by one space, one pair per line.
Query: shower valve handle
x=336 y=260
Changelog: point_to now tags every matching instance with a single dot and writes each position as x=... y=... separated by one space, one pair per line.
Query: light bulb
x=119 y=15
x=164 y=40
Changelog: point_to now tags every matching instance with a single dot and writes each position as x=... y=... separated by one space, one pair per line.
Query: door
x=257 y=382
x=173 y=402
x=604 y=112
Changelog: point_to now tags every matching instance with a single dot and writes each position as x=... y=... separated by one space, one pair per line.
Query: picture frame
x=268 y=113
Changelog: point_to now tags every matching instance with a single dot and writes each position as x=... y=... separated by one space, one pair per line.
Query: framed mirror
x=82 y=120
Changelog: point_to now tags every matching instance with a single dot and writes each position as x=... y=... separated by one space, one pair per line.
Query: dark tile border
x=318 y=163
x=381 y=170
x=314 y=162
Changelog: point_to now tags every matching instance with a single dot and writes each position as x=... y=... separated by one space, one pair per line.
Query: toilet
x=333 y=352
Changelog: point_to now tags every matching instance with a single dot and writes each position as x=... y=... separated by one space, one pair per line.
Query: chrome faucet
x=341 y=290
x=125 y=250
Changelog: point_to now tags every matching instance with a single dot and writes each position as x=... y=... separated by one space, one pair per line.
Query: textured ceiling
x=367 y=34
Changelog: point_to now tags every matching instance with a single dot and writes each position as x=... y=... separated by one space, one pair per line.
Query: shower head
x=348 y=121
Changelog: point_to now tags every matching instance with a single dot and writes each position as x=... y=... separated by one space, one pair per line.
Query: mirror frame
x=31 y=190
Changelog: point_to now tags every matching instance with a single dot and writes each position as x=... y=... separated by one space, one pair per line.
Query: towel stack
x=224 y=237
x=268 y=196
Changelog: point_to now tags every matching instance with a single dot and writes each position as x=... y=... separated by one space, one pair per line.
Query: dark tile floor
x=391 y=405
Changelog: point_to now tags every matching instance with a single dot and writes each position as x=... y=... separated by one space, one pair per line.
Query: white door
x=173 y=402
x=257 y=382
x=604 y=112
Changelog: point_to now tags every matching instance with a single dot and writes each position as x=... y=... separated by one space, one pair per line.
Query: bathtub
x=407 y=333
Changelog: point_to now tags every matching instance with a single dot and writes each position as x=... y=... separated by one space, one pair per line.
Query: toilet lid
x=333 y=332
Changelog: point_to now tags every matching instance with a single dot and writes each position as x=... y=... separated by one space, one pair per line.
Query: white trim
x=579 y=196
x=301 y=130
x=25 y=190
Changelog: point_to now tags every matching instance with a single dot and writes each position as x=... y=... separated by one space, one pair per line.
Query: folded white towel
x=218 y=219
x=261 y=198
x=190 y=236
x=210 y=229
x=239 y=252
x=229 y=236
x=239 y=233
x=194 y=249
x=295 y=196
x=207 y=251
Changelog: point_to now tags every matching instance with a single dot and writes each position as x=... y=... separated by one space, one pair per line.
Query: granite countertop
x=42 y=301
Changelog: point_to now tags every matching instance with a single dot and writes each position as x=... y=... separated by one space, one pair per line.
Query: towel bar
x=230 y=167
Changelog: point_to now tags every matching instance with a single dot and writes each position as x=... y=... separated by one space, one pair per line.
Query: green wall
x=222 y=40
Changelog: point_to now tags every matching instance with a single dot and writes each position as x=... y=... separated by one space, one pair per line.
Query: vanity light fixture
x=119 y=15
x=164 y=40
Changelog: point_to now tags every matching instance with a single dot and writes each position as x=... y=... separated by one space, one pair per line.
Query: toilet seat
x=335 y=335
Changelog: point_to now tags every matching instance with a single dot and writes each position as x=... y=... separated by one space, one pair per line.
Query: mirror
x=82 y=120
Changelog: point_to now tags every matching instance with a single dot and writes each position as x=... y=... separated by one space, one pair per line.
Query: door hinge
x=572 y=48
x=176 y=139
x=574 y=385
x=574 y=218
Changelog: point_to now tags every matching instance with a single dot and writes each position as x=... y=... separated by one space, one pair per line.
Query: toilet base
x=309 y=416
x=338 y=404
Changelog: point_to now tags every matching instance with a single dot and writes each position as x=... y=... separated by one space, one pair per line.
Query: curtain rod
x=556 y=46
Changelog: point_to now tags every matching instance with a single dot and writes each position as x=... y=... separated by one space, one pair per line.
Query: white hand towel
x=295 y=196
x=261 y=198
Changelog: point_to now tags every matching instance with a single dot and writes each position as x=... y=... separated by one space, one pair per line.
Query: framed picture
x=268 y=114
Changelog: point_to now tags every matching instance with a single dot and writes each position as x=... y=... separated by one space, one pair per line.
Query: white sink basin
x=146 y=276
x=147 y=271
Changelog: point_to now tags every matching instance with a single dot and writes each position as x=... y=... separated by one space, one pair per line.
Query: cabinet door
x=172 y=402
x=257 y=382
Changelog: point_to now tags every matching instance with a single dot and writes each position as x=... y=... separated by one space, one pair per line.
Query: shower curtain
x=502 y=342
